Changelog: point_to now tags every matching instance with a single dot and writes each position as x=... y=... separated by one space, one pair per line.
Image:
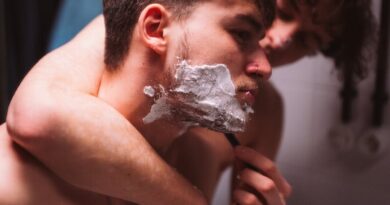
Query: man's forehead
x=241 y=7
x=262 y=11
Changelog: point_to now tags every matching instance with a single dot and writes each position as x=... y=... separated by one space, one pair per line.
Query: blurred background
x=329 y=162
x=31 y=28
x=326 y=161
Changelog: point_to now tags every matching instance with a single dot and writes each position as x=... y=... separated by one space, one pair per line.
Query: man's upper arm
x=75 y=67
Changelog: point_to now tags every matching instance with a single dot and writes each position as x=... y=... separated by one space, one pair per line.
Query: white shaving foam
x=204 y=95
x=149 y=91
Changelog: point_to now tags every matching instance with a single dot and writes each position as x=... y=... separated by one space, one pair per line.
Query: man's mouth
x=247 y=95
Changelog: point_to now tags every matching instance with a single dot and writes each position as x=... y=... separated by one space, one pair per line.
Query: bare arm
x=201 y=155
x=265 y=129
x=262 y=139
x=82 y=139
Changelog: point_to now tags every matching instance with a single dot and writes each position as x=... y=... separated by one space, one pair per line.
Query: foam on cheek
x=149 y=91
x=202 y=94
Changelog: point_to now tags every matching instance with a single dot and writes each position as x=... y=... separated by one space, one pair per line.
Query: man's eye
x=241 y=36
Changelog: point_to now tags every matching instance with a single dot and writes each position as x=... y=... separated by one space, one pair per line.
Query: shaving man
x=157 y=59
x=294 y=33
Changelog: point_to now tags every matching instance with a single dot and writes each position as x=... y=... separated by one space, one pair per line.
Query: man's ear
x=154 y=21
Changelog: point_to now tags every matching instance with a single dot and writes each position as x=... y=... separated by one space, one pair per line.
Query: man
x=342 y=30
x=209 y=154
x=148 y=47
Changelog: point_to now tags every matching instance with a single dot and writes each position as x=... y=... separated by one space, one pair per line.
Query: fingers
x=263 y=185
x=258 y=161
x=242 y=197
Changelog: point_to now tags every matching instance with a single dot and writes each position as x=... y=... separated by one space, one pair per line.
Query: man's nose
x=279 y=35
x=259 y=65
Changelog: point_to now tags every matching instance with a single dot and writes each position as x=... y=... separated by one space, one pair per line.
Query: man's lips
x=248 y=96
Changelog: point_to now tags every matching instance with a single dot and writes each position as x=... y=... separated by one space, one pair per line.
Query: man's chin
x=211 y=117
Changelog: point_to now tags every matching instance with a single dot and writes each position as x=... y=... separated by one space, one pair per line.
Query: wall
x=321 y=171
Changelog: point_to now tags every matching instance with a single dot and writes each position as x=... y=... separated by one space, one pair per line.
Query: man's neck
x=123 y=89
x=161 y=133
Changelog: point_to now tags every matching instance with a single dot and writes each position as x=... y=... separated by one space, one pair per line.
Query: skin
x=293 y=35
x=67 y=145
x=297 y=32
x=43 y=83
x=201 y=155
x=208 y=151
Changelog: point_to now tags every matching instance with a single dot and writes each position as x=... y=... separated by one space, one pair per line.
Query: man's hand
x=265 y=187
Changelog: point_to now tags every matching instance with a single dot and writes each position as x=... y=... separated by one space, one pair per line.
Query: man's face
x=223 y=37
x=300 y=28
x=226 y=33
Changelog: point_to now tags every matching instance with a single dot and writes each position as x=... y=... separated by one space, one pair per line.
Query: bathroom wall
x=327 y=167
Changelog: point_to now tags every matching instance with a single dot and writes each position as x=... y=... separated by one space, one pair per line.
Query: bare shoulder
x=62 y=76
x=23 y=180
x=76 y=65
x=269 y=97
x=264 y=131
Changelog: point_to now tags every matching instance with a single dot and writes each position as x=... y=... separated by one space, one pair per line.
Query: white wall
x=323 y=173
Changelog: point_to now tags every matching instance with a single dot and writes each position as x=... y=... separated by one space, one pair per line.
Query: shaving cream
x=149 y=91
x=203 y=95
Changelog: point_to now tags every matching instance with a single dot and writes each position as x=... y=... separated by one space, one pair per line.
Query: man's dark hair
x=122 y=15
x=354 y=40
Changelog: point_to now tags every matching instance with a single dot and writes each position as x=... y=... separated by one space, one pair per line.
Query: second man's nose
x=280 y=35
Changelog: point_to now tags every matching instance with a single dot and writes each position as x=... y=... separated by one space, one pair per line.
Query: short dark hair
x=354 y=42
x=121 y=16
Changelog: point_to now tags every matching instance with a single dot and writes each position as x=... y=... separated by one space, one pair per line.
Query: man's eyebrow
x=251 y=20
